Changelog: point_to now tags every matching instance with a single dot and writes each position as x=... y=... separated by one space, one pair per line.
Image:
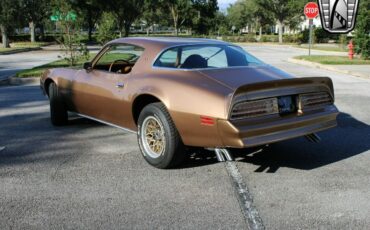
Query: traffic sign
x=57 y=16
x=311 y=10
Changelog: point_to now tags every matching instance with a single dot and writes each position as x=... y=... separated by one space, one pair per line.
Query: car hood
x=234 y=78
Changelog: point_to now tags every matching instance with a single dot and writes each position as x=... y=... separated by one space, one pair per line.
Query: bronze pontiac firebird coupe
x=176 y=92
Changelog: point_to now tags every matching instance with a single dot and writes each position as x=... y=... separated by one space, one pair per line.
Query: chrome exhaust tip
x=223 y=155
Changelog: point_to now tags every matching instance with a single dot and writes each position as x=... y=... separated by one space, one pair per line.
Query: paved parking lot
x=91 y=176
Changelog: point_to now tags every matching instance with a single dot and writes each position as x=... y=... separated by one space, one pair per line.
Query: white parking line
x=245 y=200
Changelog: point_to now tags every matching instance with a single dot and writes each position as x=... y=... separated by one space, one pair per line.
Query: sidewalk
x=355 y=70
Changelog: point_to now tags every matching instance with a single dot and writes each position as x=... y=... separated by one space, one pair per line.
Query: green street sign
x=54 y=18
x=71 y=16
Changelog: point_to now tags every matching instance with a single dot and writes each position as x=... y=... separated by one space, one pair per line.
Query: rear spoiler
x=283 y=87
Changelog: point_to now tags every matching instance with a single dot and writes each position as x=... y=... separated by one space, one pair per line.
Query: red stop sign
x=311 y=10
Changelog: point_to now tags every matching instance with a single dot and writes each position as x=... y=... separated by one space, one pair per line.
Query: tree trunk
x=90 y=24
x=176 y=30
x=147 y=31
x=4 y=37
x=32 y=31
x=260 y=33
x=42 y=32
x=280 y=23
x=127 y=29
x=175 y=18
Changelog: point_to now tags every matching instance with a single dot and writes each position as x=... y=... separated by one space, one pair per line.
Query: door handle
x=120 y=85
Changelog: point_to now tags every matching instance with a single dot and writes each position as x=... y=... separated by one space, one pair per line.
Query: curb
x=325 y=67
x=20 y=50
x=13 y=80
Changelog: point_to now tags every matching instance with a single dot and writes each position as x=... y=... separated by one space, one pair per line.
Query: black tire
x=174 y=151
x=58 y=111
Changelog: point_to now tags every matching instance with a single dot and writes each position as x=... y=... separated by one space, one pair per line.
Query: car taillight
x=312 y=100
x=247 y=109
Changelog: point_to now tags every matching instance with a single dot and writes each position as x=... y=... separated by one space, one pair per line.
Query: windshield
x=206 y=56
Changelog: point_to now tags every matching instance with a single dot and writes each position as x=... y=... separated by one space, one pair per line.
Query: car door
x=100 y=91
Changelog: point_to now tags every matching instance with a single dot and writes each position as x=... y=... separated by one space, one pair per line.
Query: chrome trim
x=106 y=123
x=205 y=69
x=120 y=85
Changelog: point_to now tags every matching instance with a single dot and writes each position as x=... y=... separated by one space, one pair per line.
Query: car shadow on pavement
x=198 y=157
x=348 y=139
x=31 y=96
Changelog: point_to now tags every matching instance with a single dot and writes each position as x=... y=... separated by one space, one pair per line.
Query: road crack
x=244 y=197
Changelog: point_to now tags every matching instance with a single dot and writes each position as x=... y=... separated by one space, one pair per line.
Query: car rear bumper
x=242 y=134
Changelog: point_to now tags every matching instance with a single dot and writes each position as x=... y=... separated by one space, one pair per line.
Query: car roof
x=154 y=46
x=165 y=42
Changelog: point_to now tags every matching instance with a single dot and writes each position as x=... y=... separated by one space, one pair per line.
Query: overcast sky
x=223 y=4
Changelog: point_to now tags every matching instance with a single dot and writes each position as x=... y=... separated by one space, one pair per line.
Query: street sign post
x=311 y=10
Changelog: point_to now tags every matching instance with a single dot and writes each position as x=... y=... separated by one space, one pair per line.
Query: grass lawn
x=9 y=49
x=333 y=60
x=28 y=44
x=39 y=70
x=22 y=45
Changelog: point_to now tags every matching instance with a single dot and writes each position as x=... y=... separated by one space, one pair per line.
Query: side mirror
x=87 y=66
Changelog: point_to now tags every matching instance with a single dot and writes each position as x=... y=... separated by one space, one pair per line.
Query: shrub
x=321 y=36
x=269 y=38
x=362 y=32
x=366 y=50
x=240 y=38
x=106 y=29
x=291 y=38
x=70 y=39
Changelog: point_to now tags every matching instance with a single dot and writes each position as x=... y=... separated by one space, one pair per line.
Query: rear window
x=206 y=56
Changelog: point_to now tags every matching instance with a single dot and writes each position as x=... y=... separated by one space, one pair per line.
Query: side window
x=203 y=57
x=119 y=58
x=167 y=59
x=206 y=56
x=219 y=60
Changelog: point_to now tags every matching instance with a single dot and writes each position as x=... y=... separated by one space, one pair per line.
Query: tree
x=263 y=18
x=180 y=10
x=222 y=23
x=106 y=29
x=151 y=14
x=70 y=39
x=35 y=12
x=247 y=12
x=283 y=11
x=362 y=32
x=125 y=13
x=206 y=10
x=239 y=15
x=90 y=10
x=8 y=19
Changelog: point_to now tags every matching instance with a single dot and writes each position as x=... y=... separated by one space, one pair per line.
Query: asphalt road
x=91 y=176
x=12 y=63
x=300 y=185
